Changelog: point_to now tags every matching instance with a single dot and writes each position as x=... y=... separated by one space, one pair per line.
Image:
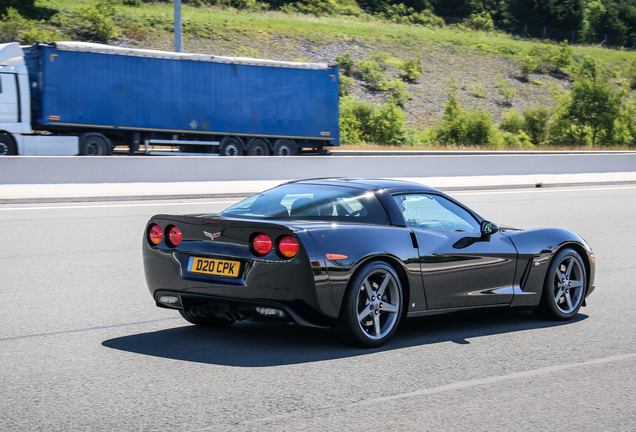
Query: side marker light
x=336 y=257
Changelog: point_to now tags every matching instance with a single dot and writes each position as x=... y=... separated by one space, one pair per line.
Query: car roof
x=393 y=186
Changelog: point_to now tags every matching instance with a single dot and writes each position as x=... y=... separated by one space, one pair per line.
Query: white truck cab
x=16 y=134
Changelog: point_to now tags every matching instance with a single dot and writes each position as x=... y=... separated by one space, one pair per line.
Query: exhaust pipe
x=199 y=311
x=236 y=316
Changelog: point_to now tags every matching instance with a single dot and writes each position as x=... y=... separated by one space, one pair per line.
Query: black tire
x=93 y=145
x=564 y=287
x=231 y=146
x=207 y=321
x=381 y=321
x=8 y=146
x=258 y=147
x=285 y=147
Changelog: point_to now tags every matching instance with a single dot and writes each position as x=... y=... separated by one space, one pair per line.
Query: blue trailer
x=120 y=97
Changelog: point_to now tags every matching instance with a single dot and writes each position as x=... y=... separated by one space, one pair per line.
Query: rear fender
x=358 y=245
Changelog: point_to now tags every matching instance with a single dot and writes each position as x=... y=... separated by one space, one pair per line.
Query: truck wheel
x=285 y=147
x=257 y=147
x=7 y=145
x=231 y=146
x=93 y=145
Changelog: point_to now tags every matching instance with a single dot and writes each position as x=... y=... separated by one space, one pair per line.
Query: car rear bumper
x=238 y=309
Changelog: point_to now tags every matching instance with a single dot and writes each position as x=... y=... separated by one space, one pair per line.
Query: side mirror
x=488 y=228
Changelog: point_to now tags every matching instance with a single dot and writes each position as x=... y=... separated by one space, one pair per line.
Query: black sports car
x=358 y=256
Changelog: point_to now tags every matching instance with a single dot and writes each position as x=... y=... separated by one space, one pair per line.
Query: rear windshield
x=312 y=202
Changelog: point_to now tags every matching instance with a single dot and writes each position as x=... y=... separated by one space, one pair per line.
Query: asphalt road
x=82 y=346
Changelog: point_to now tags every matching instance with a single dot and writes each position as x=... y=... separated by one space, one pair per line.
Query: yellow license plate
x=214 y=267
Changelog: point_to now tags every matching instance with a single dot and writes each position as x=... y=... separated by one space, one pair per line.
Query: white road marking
x=435 y=390
x=454 y=194
x=539 y=190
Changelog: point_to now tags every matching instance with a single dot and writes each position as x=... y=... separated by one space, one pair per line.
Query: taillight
x=155 y=235
x=288 y=246
x=174 y=236
x=262 y=244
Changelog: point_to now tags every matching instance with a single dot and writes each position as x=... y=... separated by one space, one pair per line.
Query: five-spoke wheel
x=564 y=288
x=372 y=307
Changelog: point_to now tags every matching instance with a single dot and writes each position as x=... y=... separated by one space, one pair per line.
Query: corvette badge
x=212 y=235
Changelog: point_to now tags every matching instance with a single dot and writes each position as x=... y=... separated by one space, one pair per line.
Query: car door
x=459 y=267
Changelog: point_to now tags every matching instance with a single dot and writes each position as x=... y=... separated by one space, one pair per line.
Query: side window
x=1 y=77
x=435 y=212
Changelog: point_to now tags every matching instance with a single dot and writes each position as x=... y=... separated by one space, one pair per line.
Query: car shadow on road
x=249 y=344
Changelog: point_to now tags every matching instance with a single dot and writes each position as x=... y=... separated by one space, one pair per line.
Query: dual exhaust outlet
x=204 y=311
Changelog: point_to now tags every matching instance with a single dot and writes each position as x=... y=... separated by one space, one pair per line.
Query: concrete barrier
x=131 y=169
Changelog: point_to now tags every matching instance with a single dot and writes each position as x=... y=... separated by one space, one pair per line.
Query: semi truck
x=70 y=98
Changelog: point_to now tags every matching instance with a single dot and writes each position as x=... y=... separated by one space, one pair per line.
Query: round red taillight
x=174 y=236
x=262 y=244
x=288 y=247
x=155 y=235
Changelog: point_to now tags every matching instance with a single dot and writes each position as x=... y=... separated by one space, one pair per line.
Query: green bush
x=588 y=69
x=12 y=25
x=512 y=122
x=477 y=90
x=536 y=124
x=387 y=125
x=479 y=128
x=542 y=58
x=354 y=120
x=591 y=114
x=508 y=93
x=563 y=57
x=89 y=22
x=381 y=59
x=363 y=122
x=515 y=140
x=398 y=13
x=460 y=128
x=370 y=71
x=324 y=7
x=412 y=69
x=344 y=85
x=39 y=32
x=398 y=94
x=482 y=21
x=529 y=64
x=451 y=128
x=427 y=18
x=346 y=63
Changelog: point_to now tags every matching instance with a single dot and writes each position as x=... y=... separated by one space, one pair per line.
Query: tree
x=589 y=114
x=602 y=18
x=562 y=14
